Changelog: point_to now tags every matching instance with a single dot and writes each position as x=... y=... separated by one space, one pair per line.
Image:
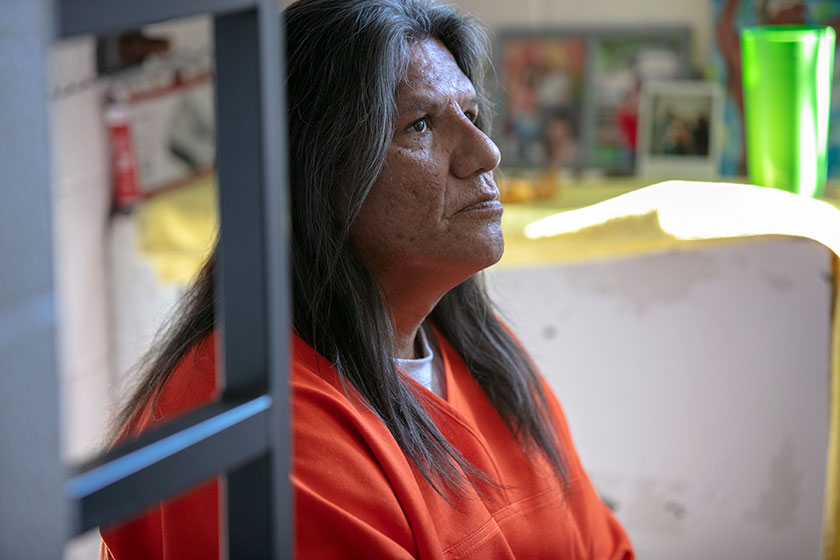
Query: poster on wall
x=544 y=82
x=679 y=130
x=622 y=65
x=729 y=18
x=569 y=97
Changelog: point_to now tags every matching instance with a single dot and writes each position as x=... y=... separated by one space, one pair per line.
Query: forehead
x=433 y=74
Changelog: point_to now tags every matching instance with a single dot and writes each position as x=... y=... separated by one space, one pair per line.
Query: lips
x=485 y=205
x=488 y=202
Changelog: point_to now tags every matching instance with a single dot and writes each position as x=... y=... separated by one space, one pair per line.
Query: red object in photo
x=123 y=157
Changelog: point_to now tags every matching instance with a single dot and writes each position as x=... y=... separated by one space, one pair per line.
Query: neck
x=410 y=299
x=407 y=325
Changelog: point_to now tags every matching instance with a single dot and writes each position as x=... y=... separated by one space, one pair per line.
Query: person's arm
x=730 y=47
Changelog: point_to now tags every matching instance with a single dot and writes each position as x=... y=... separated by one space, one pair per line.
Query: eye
x=420 y=125
x=472 y=115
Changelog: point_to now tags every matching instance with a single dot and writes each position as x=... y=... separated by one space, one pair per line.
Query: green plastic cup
x=787 y=72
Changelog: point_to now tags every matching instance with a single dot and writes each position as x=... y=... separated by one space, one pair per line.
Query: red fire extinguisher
x=123 y=157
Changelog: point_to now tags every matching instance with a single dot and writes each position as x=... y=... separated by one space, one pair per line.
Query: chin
x=493 y=251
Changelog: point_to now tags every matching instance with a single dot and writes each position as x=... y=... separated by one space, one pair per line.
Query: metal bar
x=255 y=304
x=589 y=111
x=77 y=17
x=160 y=464
x=242 y=298
x=248 y=509
x=278 y=277
x=33 y=514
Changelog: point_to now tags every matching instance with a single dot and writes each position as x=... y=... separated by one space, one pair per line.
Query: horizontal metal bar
x=165 y=462
x=78 y=17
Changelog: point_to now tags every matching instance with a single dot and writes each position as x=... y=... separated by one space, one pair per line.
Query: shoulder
x=339 y=441
x=192 y=383
x=322 y=404
x=347 y=468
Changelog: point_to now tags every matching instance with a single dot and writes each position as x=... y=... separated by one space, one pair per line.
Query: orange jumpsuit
x=358 y=496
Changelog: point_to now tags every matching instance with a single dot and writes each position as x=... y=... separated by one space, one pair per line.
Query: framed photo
x=679 y=130
x=569 y=97
x=543 y=90
x=624 y=63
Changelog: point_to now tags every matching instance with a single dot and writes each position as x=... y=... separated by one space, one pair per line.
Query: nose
x=474 y=153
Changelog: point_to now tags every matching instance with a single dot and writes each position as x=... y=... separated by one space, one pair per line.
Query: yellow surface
x=602 y=220
x=176 y=230
x=620 y=232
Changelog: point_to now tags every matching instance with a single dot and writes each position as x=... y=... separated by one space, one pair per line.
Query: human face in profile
x=433 y=216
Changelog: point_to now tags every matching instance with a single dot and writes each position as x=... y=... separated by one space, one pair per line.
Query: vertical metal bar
x=278 y=273
x=589 y=118
x=33 y=514
x=242 y=295
x=254 y=267
x=241 y=265
x=249 y=511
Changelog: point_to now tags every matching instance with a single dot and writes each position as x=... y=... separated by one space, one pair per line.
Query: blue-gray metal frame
x=33 y=514
x=246 y=434
x=254 y=271
x=180 y=455
x=78 y=17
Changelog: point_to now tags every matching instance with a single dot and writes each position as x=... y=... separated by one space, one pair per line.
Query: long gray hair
x=345 y=60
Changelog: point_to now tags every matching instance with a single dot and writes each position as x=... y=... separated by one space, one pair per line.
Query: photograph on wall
x=542 y=81
x=680 y=125
x=679 y=129
x=622 y=65
x=569 y=97
x=729 y=18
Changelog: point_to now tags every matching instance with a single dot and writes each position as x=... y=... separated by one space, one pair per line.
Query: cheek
x=383 y=223
x=411 y=187
x=429 y=184
x=403 y=208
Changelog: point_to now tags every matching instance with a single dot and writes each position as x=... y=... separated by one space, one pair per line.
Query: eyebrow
x=420 y=105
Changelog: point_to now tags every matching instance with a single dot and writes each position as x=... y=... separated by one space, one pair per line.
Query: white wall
x=81 y=206
x=84 y=251
x=643 y=13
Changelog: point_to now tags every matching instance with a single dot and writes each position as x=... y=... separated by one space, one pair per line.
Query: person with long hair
x=421 y=429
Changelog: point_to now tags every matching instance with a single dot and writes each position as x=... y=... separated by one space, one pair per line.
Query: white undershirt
x=422 y=370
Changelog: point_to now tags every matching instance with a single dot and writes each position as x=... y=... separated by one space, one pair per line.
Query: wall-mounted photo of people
x=622 y=65
x=542 y=82
x=680 y=125
x=680 y=130
x=569 y=97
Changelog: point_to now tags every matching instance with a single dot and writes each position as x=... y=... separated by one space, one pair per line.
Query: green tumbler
x=787 y=72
